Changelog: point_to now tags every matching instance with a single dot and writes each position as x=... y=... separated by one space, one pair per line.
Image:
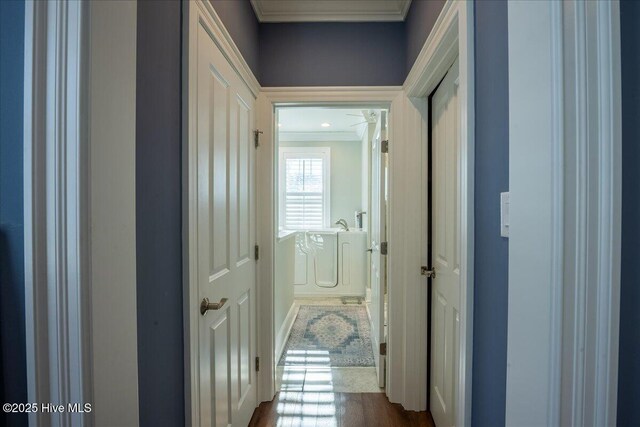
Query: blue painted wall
x=332 y=54
x=158 y=214
x=13 y=373
x=344 y=54
x=629 y=361
x=491 y=250
x=242 y=24
x=421 y=17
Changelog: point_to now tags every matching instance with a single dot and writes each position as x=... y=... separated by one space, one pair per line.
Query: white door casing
x=80 y=263
x=451 y=37
x=565 y=189
x=445 y=258
x=378 y=236
x=592 y=156
x=269 y=99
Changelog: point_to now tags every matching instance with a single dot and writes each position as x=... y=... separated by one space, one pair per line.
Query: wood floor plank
x=419 y=419
x=266 y=414
x=378 y=410
x=299 y=408
x=351 y=411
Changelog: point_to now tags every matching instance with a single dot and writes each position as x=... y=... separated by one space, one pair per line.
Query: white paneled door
x=225 y=240
x=445 y=253
x=378 y=236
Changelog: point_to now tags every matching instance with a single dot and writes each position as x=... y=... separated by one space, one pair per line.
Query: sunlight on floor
x=307 y=396
x=308 y=358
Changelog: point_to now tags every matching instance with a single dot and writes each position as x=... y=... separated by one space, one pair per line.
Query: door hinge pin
x=257 y=364
x=424 y=270
x=385 y=146
x=256 y=252
x=256 y=137
x=383 y=349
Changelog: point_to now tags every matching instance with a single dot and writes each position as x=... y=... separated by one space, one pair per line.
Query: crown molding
x=319 y=136
x=331 y=11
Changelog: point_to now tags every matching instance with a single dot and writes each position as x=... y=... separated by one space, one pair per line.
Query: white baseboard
x=283 y=333
x=368 y=313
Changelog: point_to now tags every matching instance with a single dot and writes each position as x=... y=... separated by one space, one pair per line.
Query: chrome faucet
x=343 y=223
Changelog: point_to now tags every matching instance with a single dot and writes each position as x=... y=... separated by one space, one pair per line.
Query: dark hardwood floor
x=310 y=409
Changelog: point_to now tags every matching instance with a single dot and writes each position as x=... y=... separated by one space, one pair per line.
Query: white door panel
x=226 y=234
x=378 y=235
x=445 y=252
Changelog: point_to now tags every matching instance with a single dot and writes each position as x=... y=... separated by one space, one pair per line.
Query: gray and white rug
x=337 y=336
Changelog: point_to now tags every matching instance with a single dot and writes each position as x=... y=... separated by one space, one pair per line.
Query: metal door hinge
x=424 y=270
x=256 y=137
x=384 y=248
x=256 y=252
x=383 y=349
x=385 y=146
x=257 y=364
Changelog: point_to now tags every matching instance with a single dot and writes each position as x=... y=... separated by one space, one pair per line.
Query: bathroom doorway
x=329 y=321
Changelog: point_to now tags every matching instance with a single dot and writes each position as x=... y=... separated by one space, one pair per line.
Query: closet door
x=445 y=309
x=225 y=238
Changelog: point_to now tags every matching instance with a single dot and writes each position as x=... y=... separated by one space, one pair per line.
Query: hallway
x=294 y=213
x=312 y=393
x=305 y=408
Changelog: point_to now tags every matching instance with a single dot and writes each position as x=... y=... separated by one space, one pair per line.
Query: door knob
x=205 y=305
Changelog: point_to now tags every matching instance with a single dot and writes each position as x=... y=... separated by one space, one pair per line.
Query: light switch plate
x=504 y=214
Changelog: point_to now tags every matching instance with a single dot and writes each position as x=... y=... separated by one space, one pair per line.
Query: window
x=304 y=187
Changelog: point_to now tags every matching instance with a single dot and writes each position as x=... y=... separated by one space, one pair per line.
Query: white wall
x=346 y=177
x=112 y=213
x=532 y=378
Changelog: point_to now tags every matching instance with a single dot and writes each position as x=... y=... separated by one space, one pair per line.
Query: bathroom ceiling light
x=325 y=125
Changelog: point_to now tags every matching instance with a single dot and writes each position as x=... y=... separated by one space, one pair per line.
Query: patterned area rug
x=336 y=336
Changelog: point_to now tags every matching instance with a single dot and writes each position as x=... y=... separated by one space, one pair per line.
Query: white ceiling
x=305 y=124
x=330 y=10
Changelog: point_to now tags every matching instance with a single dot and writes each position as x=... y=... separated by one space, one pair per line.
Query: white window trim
x=325 y=152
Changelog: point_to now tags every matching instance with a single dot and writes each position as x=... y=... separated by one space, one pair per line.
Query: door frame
x=80 y=239
x=452 y=37
x=565 y=212
x=195 y=13
x=268 y=100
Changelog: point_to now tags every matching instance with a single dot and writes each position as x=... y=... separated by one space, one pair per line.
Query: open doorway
x=330 y=282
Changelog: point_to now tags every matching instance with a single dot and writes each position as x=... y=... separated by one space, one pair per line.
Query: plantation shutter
x=304 y=192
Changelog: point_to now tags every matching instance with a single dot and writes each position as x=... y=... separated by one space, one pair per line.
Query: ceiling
x=305 y=124
x=330 y=10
